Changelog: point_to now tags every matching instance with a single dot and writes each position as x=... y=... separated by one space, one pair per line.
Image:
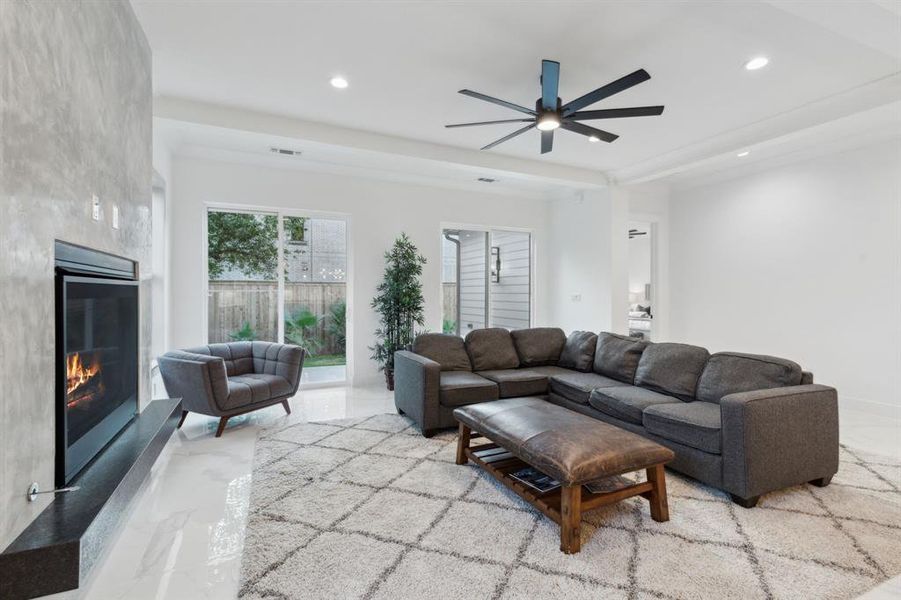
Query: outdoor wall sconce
x=495 y=264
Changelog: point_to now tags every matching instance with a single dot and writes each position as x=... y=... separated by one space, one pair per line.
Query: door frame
x=281 y=213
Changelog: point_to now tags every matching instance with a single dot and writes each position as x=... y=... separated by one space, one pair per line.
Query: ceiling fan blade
x=617 y=113
x=547 y=141
x=508 y=137
x=589 y=131
x=498 y=101
x=491 y=122
x=550 y=84
x=615 y=87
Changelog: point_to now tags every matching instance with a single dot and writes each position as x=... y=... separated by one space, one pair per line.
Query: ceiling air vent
x=486 y=180
x=285 y=151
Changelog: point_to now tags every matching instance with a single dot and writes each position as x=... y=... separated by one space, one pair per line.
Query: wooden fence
x=449 y=303
x=232 y=304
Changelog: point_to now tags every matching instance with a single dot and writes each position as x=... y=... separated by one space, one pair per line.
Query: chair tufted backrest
x=238 y=356
x=278 y=359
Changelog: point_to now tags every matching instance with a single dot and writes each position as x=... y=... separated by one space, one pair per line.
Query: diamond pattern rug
x=368 y=508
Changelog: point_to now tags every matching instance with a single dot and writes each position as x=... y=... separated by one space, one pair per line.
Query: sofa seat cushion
x=578 y=351
x=671 y=369
x=616 y=356
x=577 y=386
x=512 y=383
x=458 y=388
x=446 y=350
x=537 y=346
x=491 y=349
x=244 y=390
x=627 y=402
x=695 y=424
x=732 y=372
x=551 y=370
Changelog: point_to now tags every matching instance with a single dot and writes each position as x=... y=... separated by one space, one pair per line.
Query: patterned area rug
x=368 y=508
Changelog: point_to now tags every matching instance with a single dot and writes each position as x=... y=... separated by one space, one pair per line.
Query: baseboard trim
x=869 y=407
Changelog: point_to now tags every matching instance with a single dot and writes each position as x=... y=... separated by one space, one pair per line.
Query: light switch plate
x=115 y=216
x=95 y=208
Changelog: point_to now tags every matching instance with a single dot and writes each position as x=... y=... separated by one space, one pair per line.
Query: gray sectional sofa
x=747 y=424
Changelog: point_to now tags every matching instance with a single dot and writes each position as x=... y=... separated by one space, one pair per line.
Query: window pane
x=316 y=294
x=510 y=285
x=243 y=291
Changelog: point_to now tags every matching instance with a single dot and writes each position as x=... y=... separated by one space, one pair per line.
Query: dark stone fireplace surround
x=56 y=552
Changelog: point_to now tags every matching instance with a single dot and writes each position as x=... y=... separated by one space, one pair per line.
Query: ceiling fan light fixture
x=758 y=62
x=548 y=121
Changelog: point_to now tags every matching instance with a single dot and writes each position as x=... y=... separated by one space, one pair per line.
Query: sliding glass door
x=486 y=279
x=280 y=277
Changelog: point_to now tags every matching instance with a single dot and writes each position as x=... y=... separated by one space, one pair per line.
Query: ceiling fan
x=550 y=113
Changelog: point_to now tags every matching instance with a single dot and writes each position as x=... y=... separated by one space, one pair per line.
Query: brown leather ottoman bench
x=572 y=448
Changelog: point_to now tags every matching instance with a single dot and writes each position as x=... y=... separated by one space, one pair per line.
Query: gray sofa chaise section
x=226 y=380
x=747 y=424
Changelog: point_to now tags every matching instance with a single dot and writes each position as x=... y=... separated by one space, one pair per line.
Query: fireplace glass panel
x=100 y=356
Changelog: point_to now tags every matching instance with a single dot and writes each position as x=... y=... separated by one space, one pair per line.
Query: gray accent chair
x=747 y=424
x=226 y=380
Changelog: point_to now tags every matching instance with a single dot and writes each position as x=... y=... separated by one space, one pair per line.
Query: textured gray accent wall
x=75 y=120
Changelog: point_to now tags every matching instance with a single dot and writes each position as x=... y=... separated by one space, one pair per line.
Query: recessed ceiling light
x=338 y=82
x=593 y=138
x=745 y=153
x=758 y=62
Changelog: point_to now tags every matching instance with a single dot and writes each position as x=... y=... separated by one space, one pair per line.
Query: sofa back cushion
x=578 y=351
x=446 y=350
x=671 y=369
x=238 y=356
x=491 y=349
x=731 y=372
x=538 y=346
x=617 y=356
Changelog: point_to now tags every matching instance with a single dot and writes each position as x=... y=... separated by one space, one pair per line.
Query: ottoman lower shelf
x=566 y=504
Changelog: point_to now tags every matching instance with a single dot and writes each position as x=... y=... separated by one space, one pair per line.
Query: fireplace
x=96 y=354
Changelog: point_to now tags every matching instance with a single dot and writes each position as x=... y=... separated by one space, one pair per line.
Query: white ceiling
x=406 y=60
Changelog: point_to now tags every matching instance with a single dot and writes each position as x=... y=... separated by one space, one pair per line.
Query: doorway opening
x=641 y=312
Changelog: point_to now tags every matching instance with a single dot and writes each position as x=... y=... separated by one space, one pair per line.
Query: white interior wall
x=800 y=261
x=588 y=281
x=378 y=211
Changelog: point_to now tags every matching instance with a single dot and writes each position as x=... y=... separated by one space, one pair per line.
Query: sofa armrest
x=199 y=380
x=416 y=387
x=779 y=437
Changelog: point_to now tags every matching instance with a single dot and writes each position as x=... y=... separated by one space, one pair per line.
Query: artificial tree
x=399 y=304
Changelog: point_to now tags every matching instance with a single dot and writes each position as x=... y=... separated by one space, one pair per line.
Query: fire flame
x=77 y=373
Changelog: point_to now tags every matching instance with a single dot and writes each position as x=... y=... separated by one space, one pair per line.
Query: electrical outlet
x=115 y=216
x=95 y=208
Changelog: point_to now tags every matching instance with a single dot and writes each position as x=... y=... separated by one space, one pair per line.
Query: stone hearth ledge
x=57 y=551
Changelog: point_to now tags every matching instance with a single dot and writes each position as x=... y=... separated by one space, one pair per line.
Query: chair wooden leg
x=571 y=519
x=659 y=506
x=287 y=406
x=462 y=444
x=181 y=421
x=223 y=421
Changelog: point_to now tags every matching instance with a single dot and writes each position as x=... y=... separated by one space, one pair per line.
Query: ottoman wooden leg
x=571 y=519
x=462 y=444
x=659 y=506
